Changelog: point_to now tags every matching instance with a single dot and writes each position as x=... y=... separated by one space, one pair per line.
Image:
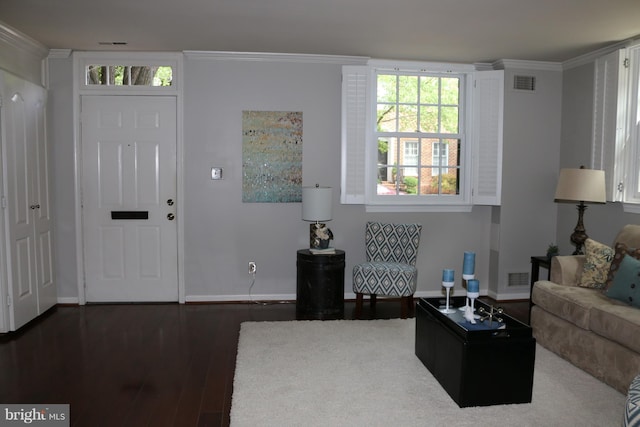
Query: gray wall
x=527 y=216
x=61 y=146
x=222 y=234
x=601 y=222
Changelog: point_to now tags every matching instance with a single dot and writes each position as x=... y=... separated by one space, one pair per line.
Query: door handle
x=170 y=202
x=32 y=207
x=171 y=217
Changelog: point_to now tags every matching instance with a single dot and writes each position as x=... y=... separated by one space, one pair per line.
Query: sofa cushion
x=626 y=282
x=618 y=322
x=598 y=258
x=629 y=235
x=567 y=269
x=571 y=303
x=621 y=250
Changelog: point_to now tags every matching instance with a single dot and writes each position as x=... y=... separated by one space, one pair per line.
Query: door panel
x=47 y=292
x=129 y=165
x=28 y=215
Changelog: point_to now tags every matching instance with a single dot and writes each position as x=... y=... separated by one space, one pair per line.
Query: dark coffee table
x=476 y=367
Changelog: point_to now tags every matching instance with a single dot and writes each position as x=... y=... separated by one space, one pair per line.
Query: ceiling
x=465 y=31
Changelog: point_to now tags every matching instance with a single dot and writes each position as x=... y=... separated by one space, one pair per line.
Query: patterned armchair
x=390 y=267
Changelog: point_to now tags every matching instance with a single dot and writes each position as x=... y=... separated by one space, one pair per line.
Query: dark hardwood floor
x=142 y=365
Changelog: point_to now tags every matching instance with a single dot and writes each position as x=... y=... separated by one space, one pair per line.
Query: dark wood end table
x=320 y=285
x=536 y=263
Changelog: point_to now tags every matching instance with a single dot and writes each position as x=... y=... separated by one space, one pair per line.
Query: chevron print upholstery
x=391 y=253
x=632 y=408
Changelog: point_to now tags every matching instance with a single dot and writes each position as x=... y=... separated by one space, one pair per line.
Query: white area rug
x=365 y=373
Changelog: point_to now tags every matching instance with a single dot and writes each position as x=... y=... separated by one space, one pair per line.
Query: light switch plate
x=216 y=173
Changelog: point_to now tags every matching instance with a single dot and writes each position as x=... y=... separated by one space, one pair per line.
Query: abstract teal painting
x=271 y=157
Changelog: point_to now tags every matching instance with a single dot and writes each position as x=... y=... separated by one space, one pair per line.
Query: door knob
x=171 y=217
x=170 y=202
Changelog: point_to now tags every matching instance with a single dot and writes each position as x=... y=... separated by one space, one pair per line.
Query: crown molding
x=59 y=53
x=592 y=56
x=22 y=42
x=276 y=57
x=503 y=64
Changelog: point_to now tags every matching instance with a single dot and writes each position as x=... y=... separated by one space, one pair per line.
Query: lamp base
x=319 y=236
x=579 y=235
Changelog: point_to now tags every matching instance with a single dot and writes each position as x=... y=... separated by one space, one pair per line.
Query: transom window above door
x=129 y=75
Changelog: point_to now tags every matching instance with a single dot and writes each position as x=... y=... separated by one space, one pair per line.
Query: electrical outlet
x=252 y=267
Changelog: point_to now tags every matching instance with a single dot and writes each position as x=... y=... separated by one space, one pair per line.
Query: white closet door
x=31 y=287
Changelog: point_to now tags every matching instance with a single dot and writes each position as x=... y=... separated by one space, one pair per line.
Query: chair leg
x=373 y=300
x=412 y=306
x=358 y=305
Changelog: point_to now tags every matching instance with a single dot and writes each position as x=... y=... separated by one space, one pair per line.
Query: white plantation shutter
x=355 y=85
x=608 y=125
x=486 y=131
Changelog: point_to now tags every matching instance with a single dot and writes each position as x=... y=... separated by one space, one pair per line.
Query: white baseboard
x=292 y=297
x=501 y=296
x=233 y=298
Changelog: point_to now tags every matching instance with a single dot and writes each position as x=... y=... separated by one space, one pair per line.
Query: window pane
x=408 y=118
x=450 y=184
x=383 y=150
x=449 y=120
x=386 y=91
x=429 y=93
x=386 y=118
x=407 y=183
x=430 y=181
x=407 y=164
x=129 y=75
x=163 y=76
x=97 y=75
x=408 y=89
x=387 y=184
x=450 y=91
x=410 y=156
x=429 y=119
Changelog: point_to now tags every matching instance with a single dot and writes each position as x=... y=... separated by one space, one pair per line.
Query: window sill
x=419 y=208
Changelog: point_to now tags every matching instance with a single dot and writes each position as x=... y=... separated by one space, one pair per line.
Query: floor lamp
x=582 y=186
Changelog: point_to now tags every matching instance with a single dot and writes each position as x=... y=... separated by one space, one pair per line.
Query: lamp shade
x=316 y=203
x=581 y=185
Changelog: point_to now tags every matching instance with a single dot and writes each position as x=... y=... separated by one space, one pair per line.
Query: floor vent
x=525 y=83
x=518 y=279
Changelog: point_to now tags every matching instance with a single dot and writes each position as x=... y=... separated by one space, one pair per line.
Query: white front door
x=129 y=198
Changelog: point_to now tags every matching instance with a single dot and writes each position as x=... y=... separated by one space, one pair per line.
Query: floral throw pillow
x=620 y=251
x=598 y=259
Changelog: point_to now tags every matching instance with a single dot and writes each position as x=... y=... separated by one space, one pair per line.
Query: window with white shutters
x=616 y=130
x=421 y=137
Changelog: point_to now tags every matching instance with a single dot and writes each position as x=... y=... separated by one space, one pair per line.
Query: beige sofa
x=598 y=334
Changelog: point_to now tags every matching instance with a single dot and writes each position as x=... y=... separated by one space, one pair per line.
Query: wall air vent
x=524 y=83
x=518 y=279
